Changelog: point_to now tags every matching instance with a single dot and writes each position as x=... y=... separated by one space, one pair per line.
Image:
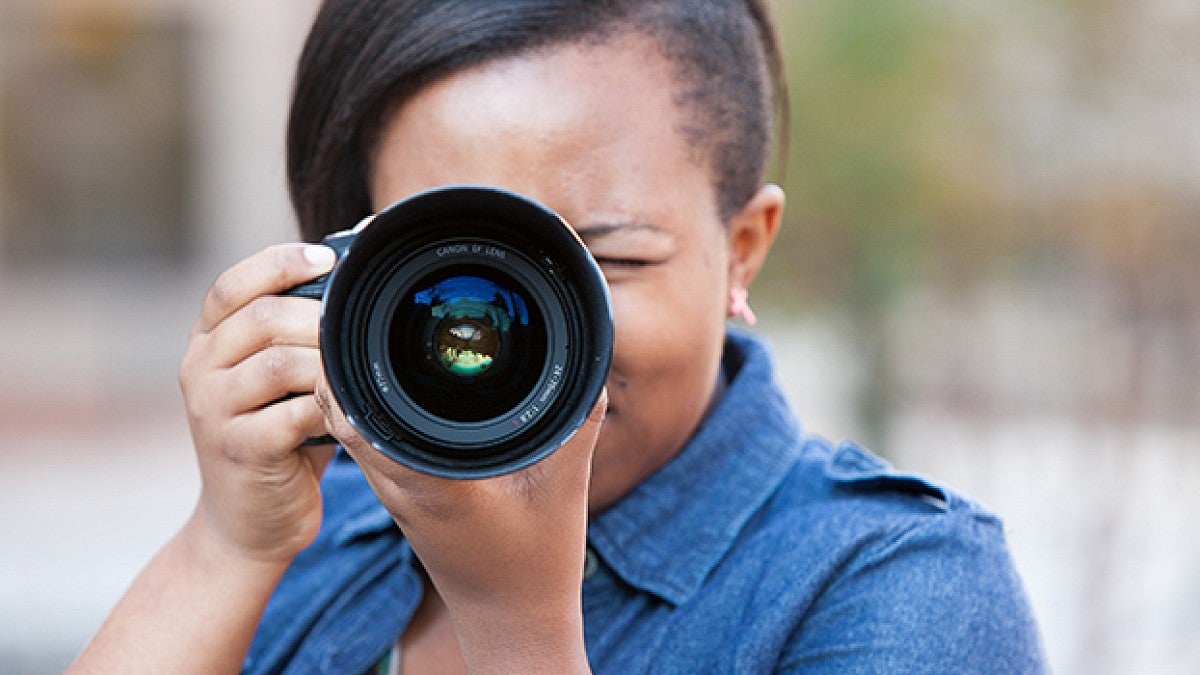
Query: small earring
x=738 y=305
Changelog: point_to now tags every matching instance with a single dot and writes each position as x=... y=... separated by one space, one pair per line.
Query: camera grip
x=315 y=290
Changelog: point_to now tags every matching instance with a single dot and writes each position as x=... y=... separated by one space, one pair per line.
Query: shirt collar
x=351 y=509
x=668 y=534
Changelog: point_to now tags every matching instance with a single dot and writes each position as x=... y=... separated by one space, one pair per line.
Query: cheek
x=670 y=324
x=666 y=332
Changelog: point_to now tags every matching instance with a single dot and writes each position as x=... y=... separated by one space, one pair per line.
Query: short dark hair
x=363 y=57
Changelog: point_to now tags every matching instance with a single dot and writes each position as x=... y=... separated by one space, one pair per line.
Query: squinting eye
x=621 y=262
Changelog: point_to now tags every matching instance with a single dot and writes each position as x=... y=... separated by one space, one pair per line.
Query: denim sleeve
x=938 y=594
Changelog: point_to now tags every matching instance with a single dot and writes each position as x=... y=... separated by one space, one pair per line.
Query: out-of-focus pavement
x=85 y=503
x=96 y=468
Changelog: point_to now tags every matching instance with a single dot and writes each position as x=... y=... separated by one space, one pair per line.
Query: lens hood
x=465 y=331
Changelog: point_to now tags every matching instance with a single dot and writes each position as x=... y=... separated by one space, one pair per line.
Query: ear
x=751 y=233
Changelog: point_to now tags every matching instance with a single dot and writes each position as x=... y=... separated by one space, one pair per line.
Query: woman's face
x=592 y=132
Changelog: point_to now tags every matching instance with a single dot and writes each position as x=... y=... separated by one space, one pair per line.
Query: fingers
x=582 y=444
x=577 y=450
x=561 y=477
x=252 y=350
x=270 y=375
x=264 y=322
x=268 y=272
x=266 y=436
x=250 y=406
x=571 y=464
x=247 y=377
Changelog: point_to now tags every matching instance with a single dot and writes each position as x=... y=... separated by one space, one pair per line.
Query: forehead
x=600 y=118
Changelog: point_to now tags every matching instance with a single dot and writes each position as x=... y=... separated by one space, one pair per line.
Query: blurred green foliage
x=865 y=78
x=938 y=142
x=872 y=180
x=950 y=145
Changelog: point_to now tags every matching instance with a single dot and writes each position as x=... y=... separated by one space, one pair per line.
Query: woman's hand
x=195 y=606
x=247 y=377
x=506 y=554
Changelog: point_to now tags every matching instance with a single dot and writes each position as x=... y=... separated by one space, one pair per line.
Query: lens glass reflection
x=466 y=345
x=475 y=315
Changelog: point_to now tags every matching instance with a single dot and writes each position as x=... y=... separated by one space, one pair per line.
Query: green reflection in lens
x=466 y=346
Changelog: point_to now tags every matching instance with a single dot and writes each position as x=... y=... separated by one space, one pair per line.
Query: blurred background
x=989 y=273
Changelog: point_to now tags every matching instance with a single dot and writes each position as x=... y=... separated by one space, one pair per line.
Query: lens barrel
x=465 y=331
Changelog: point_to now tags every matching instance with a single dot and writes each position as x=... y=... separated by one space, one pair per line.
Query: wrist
x=207 y=545
x=504 y=640
x=194 y=608
x=269 y=529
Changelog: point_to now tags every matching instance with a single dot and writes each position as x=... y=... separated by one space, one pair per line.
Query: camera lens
x=464 y=343
x=465 y=331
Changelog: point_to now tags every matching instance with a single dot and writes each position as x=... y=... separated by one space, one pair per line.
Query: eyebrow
x=601 y=229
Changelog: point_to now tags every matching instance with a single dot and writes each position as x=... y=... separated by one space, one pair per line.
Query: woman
x=687 y=527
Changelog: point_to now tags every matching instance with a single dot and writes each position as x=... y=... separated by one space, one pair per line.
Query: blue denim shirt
x=754 y=550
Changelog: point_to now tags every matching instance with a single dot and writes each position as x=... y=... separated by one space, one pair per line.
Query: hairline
x=733 y=120
x=607 y=34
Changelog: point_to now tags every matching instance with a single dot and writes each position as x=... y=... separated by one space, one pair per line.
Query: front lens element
x=465 y=345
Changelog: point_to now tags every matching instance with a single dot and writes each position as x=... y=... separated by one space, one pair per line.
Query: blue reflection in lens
x=474 y=294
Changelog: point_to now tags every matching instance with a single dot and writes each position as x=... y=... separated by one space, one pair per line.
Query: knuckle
x=192 y=354
x=282 y=258
x=189 y=386
x=264 y=310
x=276 y=363
x=224 y=289
x=192 y=367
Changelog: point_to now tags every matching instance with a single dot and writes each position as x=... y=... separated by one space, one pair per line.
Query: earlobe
x=739 y=306
x=751 y=233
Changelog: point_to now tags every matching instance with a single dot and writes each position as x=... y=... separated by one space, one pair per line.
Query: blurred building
x=141 y=152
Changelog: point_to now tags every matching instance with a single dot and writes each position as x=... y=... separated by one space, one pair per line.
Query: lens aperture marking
x=380 y=379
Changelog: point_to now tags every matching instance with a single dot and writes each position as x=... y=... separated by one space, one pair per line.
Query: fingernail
x=319 y=256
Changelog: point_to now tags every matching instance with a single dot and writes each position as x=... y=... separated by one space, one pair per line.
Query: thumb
x=583 y=441
x=318 y=457
x=572 y=462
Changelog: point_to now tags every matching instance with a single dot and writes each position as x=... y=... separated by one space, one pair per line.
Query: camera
x=465 y=331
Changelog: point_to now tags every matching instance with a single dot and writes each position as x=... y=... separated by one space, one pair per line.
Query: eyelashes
x=628 y=263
